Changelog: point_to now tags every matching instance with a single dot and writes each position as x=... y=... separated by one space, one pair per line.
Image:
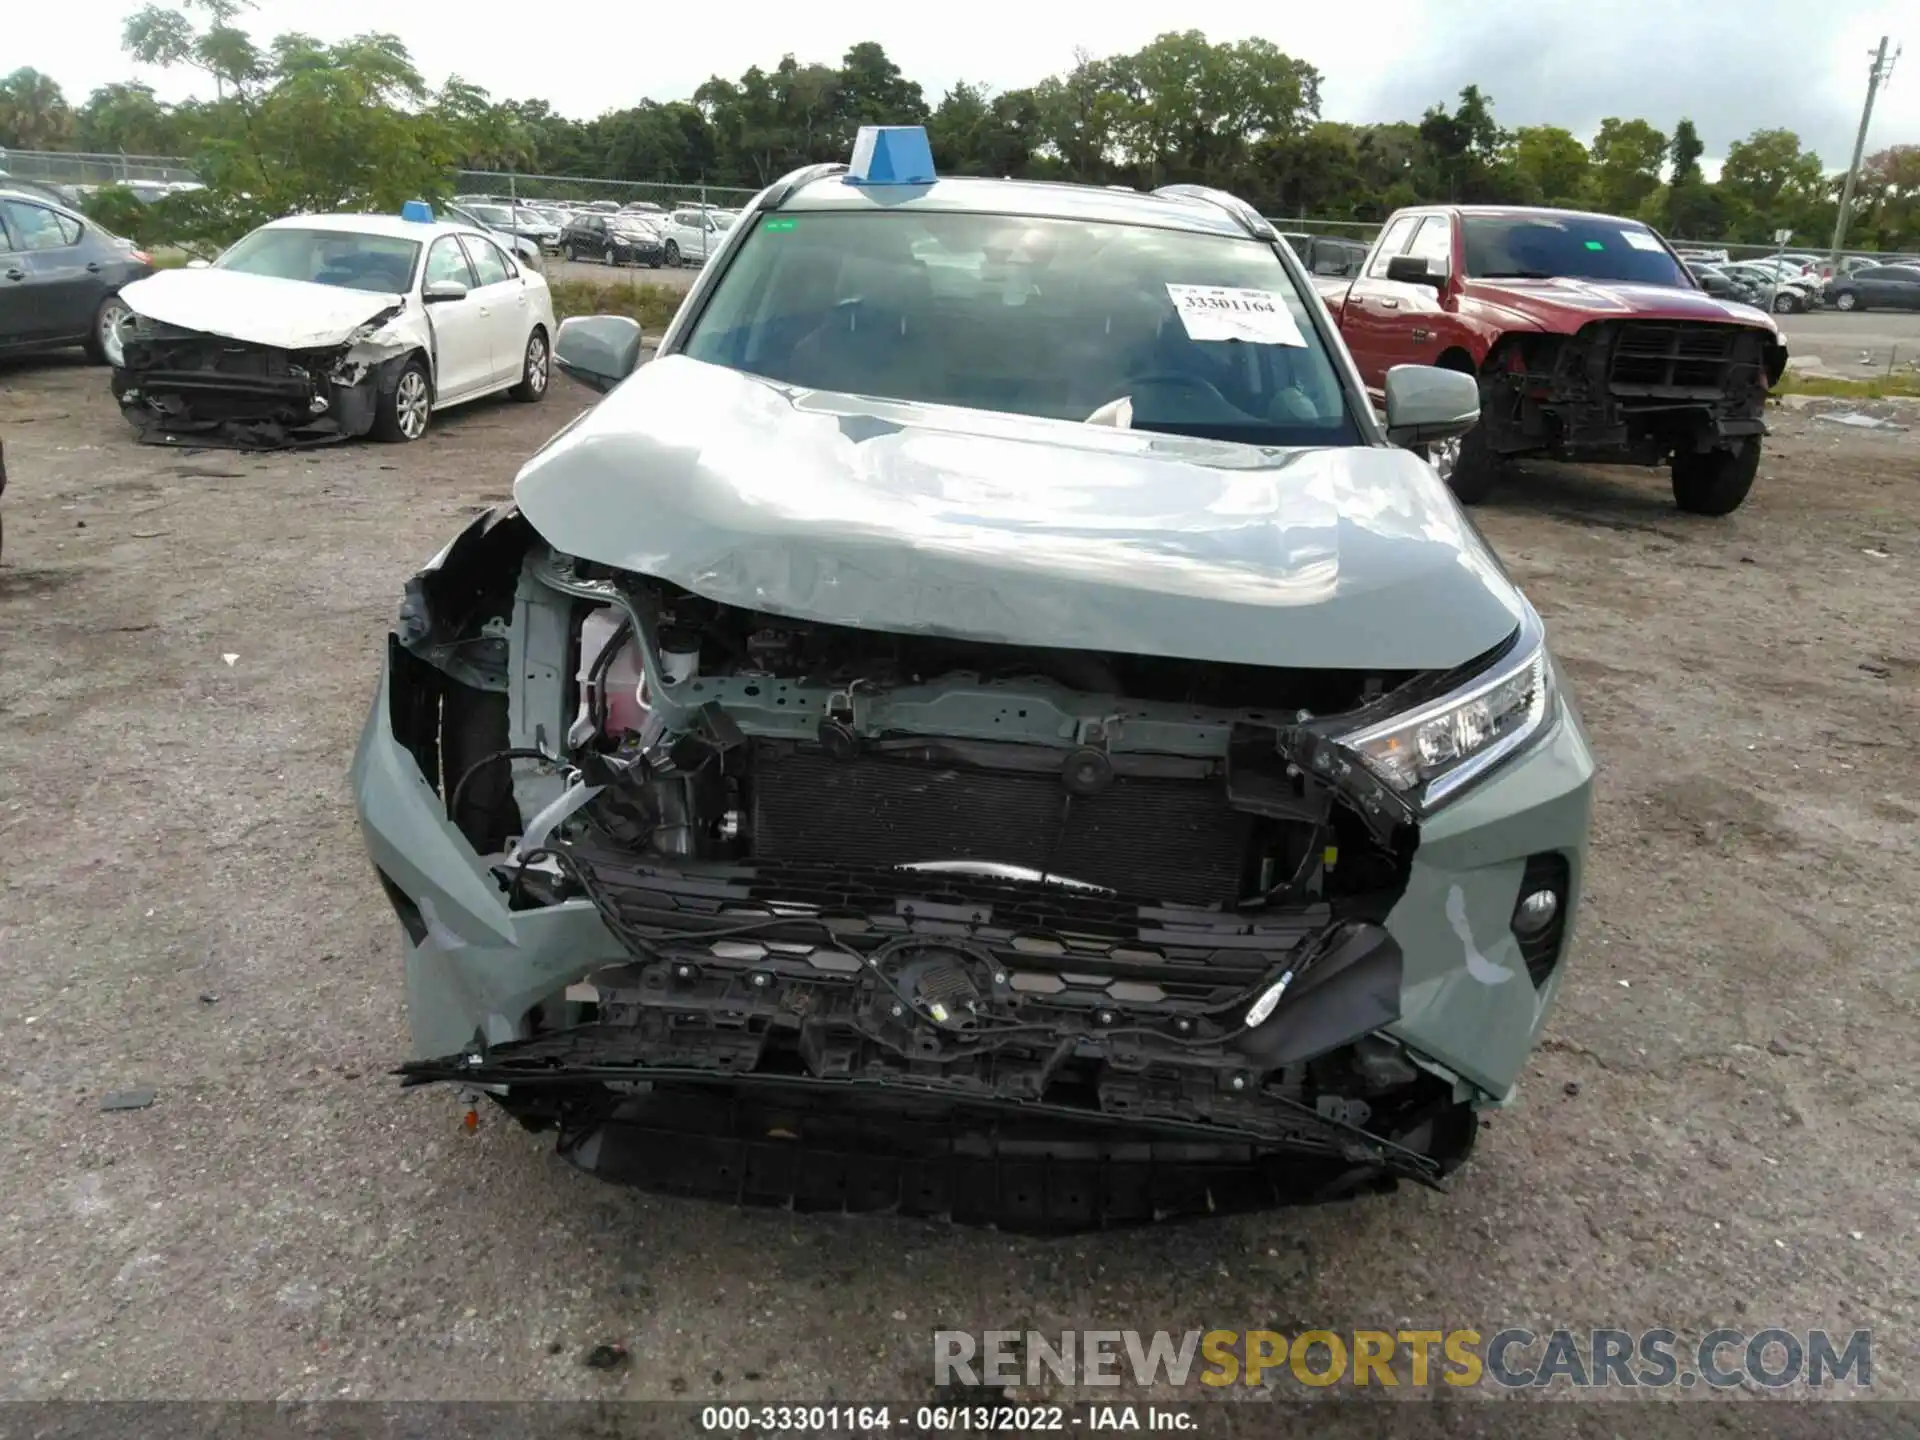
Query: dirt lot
x=1721 y=1128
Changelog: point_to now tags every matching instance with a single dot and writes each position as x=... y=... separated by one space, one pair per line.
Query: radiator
x=1148 y=839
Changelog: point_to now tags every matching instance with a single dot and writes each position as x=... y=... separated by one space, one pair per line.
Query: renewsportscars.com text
x=1511 y=1358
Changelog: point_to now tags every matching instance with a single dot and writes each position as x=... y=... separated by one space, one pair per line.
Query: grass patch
x=652 y=305
x=1840 y=387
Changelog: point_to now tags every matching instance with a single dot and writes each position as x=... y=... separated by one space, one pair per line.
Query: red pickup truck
x=1589 y=338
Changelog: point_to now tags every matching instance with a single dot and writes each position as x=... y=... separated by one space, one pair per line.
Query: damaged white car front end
x=221 y=358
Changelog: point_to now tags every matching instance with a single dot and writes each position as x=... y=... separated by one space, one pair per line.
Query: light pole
x=1882 y=68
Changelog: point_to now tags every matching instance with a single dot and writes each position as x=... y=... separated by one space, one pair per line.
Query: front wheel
x=568 y=253
x=673 y=254
x=405 y=408
x=1715 y=482
x=611 y=257
x=104 y=344
x=1785 y=303
x=535 y=368
x=1847 y=300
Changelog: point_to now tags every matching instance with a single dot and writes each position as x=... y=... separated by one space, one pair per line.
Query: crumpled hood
x=1565 y=304
x=258 y=309
x=1001 y=528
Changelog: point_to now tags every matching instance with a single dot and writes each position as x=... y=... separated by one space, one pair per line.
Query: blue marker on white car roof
x=417 y=210
x=891 y=155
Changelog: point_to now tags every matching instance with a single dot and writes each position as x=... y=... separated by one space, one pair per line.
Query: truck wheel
x=1714 y=482
x=1467 y=465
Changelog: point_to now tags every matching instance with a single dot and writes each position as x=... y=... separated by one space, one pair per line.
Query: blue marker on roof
x=891 y=155
x=417 y=210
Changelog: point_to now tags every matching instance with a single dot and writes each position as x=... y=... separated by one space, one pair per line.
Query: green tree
x=301 y=125
x=126 y=118
x=33 y=112
x=1887 y=203
x=1768 y=183
x=1553 y=163
x=1466 y=151
x=1627 y=159
x=1690 y=208
x=974 y=132
x=1193 y=111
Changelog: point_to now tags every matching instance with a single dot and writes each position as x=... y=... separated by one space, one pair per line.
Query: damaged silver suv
x=985 y=724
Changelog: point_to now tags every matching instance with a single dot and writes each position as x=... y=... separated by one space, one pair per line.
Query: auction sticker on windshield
x=1641 y=240
x=1220 y=312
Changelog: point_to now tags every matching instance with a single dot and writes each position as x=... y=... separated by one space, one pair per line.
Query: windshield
x=382 y=263
x=525 y=216
x=1164 y=330
x=493 y=214
x=1586 y=247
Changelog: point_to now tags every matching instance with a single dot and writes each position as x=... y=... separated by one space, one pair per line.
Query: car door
x=462 y=337
x=60 y=283
x=1370 y=319
x=503 y=303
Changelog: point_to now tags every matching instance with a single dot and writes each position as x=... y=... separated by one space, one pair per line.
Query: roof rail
x=781 y=191
x=1249 y=219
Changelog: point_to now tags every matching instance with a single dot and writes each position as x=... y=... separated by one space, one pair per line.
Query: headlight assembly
x=1430 y=752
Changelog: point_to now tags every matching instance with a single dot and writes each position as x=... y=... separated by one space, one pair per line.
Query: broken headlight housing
x=1432 y=751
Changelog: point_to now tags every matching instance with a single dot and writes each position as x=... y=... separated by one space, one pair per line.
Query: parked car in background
x=1783 y=289
x=60 y=278
x=317 y=328
x=692 y=234
x=599 y=207
x=1587 y=338
x=1716 y=281
x=525 y=250
x=1877 y=287
x=518 y=220
x=1326 y=254
x=613 y=240
x=643 y=206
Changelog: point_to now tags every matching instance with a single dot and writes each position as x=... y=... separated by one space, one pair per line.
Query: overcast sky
x=1733 y=65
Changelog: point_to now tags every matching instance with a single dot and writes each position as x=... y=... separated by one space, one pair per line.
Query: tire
x=1784 y=303
x=673 y=254
x=405 y=408
x=536 y=369
x=101 y=349
x=1847 y=300
x=568 y=253
x=1715 y=482
x=612 y=257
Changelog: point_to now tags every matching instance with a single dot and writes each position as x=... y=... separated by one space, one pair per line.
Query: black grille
x=1153 y=839
x=1688 y=357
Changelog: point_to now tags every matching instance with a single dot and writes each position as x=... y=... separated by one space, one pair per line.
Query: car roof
x=1041 y=199
x=391 y=226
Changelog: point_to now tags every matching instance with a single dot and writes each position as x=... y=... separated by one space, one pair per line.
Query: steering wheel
x=1223 y=410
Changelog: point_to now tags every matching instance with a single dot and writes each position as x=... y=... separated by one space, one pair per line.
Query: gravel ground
x=1720 y=1127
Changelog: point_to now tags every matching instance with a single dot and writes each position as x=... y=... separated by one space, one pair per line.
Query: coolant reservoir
x=624 y=708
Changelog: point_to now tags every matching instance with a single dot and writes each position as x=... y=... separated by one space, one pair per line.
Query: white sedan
x=322 y=327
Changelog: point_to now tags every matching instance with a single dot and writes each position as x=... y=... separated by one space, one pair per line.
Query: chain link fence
x=73 y=168
x=502 y=187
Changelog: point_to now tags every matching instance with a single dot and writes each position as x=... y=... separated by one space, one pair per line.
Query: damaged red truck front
x=1590 y=340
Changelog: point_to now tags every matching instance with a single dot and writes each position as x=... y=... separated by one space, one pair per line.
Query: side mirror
x=1416 y=270
x=198 y=265
x=1426 y=404
x=598 y=350
x=438 y=292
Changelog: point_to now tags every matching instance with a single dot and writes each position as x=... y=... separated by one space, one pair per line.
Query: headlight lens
x=1437 y=748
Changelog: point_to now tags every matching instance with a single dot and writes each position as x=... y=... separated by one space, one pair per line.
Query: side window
x=35 y=227
x=1391 y=244
x=446 y=261
x=1434 y=242
x=487 y=262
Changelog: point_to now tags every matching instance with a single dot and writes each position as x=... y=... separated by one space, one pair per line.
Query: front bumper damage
x=819 y=1031
x=183 y=387
x=1629 y=391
